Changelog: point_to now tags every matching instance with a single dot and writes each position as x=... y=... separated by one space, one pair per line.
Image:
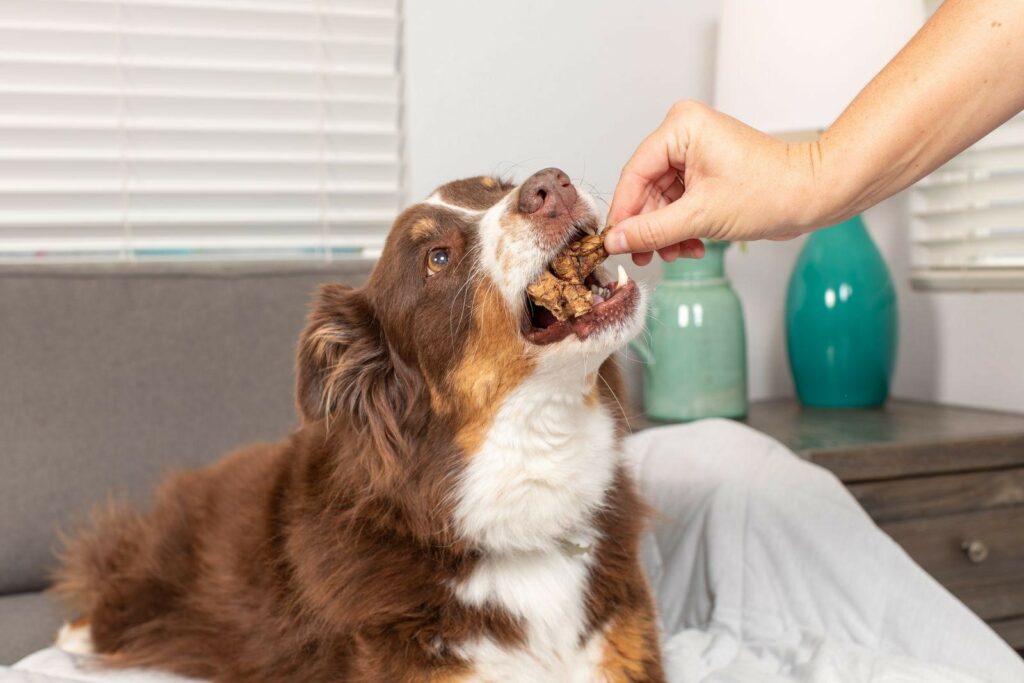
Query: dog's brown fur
x=330 y=556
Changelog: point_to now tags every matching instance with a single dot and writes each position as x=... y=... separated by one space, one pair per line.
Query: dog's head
x=443 y=331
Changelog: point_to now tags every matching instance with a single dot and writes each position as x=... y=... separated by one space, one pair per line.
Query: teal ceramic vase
x=695 y=353
x=841 y=322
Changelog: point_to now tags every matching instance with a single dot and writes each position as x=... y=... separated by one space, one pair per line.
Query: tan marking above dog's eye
x=488 y=181
x=438 y=259
x=423 y=228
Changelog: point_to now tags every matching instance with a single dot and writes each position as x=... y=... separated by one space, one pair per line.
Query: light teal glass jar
x=695 y=355
x=841 y=321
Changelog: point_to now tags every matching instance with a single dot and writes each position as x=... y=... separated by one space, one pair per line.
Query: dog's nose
x=549 y=191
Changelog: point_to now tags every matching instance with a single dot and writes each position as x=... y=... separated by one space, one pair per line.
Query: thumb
x=652 y=230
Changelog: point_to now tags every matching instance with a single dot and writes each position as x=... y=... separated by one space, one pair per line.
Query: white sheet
x=765 y=571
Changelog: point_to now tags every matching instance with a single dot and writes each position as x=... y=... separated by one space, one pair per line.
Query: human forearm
x=702 y=174
x=959 y=78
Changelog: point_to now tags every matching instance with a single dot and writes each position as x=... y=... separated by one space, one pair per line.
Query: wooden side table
x=946 y=483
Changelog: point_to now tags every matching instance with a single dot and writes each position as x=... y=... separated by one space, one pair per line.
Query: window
x=967 y=218
x=156 y=129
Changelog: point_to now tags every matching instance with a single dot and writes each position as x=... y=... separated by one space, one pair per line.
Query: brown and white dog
x=453 y=506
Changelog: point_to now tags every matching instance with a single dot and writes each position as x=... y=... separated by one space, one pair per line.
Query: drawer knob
x=975 y=550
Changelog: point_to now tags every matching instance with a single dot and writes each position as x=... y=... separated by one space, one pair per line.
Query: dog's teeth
x=623 y=278
x=594 y=289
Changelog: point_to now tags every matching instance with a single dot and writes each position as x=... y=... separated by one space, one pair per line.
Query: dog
x=452 y=507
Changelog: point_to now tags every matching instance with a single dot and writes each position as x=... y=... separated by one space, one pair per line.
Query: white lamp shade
x=790 y=66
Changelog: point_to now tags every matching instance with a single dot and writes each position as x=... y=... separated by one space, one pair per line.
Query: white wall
x=514 y=87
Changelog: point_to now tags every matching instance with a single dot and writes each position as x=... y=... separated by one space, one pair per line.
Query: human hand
x=705 y=174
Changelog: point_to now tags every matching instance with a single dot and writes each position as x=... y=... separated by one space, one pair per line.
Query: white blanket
x=766 y=571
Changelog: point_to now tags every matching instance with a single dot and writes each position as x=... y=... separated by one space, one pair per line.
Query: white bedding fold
x=766 y=569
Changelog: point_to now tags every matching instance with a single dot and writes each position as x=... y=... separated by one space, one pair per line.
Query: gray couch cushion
x=28 y=622
x=109 y=376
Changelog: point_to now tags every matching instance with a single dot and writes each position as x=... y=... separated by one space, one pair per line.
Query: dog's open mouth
x=575 y=294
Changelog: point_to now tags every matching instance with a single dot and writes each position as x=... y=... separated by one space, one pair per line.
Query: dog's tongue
x=562 y=289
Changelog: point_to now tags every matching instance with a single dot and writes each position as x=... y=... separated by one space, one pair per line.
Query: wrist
x=814 y=196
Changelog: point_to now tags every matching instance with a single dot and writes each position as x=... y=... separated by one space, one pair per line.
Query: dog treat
x=561 y=290
x=579 y=259
x=547 y=291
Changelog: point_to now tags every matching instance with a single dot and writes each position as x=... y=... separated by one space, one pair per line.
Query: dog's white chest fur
x=528 y=497
x=546 y=591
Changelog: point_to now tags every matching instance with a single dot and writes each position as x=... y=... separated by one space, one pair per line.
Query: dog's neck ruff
x=543 y=467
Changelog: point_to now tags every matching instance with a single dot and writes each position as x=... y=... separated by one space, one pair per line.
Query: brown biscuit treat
x=563 y=299
x=579 y=259
x=561 y=290
x=546 y=291
x=579 y=300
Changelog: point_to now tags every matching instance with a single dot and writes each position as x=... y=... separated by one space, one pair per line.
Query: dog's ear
x=347 y=371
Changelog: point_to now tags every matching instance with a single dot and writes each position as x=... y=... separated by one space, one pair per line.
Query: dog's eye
x=437 y=260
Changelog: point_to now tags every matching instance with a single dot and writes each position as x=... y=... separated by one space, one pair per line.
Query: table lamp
x=789 y=68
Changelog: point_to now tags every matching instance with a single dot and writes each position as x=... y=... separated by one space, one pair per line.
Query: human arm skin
x=960 y=77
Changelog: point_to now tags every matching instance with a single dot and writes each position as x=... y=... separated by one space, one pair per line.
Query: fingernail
x=616 y=243
x=693 y=249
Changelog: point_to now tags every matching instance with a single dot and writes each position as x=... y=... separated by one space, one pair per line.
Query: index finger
x=649 y=165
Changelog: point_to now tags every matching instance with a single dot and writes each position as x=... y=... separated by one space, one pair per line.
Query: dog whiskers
x=615 y=396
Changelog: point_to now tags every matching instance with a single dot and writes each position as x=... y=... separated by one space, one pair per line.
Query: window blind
x=967 y=218
x=198 y=128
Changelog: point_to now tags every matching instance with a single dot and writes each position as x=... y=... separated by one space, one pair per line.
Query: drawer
x=875 y=462
x=978 y=556
x=889 y=501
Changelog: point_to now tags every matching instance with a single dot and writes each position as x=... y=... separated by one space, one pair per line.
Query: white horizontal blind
x=197 y=128
x=967 y=224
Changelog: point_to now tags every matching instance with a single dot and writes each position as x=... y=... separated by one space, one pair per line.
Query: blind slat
x=210 y=19
x=200 y=174
x=312 y=7
x=368 y=237
x=205 y=125
x=154 y=110
x=98 y=143
x=211 y=50
x=180 y=219
x=190 y=98
x=142 y=205
x=352 y=190
x=938 y=279
x=126 y=29
x=128 y=63
x=56 y=75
